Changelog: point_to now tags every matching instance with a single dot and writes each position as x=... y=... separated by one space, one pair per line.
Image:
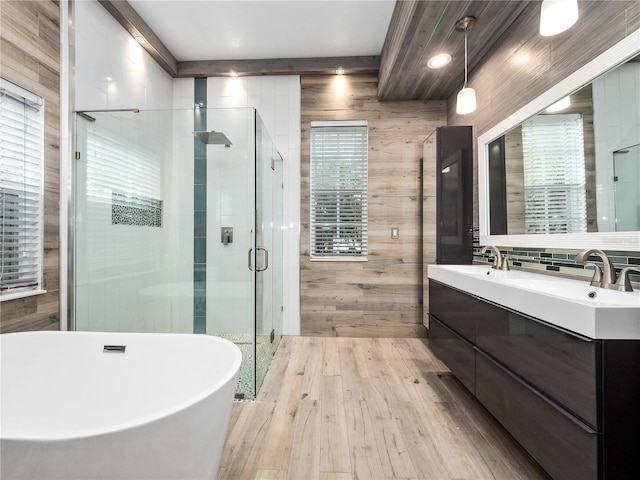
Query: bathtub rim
x=145 y=419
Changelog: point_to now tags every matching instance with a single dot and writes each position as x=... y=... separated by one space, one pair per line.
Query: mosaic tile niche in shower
x=136 y=211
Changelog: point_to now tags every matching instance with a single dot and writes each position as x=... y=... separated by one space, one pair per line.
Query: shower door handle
x=266 y=259
x=249 y=259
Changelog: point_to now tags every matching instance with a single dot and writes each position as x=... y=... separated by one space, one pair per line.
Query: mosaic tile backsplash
x=557 y=260
x=138 y=211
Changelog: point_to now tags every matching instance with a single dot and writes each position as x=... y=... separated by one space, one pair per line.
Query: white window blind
x=21 y=154
x=554 y=175
x=339 y=177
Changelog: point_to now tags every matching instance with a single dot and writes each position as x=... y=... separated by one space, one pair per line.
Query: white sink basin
x=575 y=290
x=570 y=304
x=473 y=269
x=482 y=270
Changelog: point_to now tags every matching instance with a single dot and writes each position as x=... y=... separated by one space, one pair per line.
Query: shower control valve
x=226 y=235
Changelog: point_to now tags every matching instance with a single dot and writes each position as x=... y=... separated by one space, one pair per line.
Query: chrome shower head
x=213 y=138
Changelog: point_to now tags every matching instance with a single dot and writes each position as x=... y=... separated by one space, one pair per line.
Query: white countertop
x=561 y=302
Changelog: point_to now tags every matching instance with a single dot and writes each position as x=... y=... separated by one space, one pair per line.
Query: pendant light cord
x=465 y=58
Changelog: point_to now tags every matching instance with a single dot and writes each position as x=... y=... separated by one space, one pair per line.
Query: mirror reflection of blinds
x=21 y=154
x=339 y=178
x=554 y=174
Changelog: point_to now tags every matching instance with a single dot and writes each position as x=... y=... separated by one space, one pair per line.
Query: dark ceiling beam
x=279 y=66
x=136 y=26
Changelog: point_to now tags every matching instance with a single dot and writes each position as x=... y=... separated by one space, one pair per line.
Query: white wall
x=616 y=123
x=112 y=69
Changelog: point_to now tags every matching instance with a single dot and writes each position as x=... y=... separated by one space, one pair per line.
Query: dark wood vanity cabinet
x=456 y=352
x=572 y=402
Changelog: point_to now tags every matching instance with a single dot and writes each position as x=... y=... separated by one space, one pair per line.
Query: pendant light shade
x=466 y=99
x=557 y=15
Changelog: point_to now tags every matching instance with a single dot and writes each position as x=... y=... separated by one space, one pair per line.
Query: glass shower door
x=268 y=250
x=277 y=246
x=122 y=170
x=225 y=207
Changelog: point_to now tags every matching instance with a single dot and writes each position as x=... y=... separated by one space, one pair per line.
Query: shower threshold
x=246 y=391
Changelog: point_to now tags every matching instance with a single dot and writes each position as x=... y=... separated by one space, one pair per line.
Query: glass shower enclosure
x=178 y=228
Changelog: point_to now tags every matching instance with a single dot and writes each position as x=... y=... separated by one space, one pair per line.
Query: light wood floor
x=366 y=408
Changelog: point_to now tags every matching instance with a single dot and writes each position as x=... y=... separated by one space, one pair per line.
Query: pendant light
x=557 y=15
x=466 y=99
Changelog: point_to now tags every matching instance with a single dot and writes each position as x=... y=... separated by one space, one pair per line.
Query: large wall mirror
x=564 y=171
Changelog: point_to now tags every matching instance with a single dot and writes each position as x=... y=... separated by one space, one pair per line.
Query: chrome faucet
x=499 y=262
x=605 y=278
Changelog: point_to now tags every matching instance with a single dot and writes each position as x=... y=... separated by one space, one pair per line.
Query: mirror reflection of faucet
x=226 y=235
x=499 y=262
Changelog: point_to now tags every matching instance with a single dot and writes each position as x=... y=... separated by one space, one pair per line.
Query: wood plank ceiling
x=422 y=29
x=417 y=31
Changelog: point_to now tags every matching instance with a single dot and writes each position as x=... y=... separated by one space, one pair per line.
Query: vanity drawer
x=453 y=308
x=565 y=447
x=557 y=362
x=454 y=351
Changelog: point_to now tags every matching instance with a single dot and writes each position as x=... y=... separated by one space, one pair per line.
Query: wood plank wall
x=30 y=57
x=503 y=86
x=383 y=296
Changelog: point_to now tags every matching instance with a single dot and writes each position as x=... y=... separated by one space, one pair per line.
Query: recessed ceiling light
x=521 y=58
x=339 y=71
x=233 y=73
x=439 y=61
x=140 y=39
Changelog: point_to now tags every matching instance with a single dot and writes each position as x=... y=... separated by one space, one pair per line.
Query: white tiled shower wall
x=277 y=100
x=113 y=71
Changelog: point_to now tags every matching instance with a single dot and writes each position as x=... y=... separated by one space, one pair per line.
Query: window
x=554 y=174
x=339 y=190
x=21 y=154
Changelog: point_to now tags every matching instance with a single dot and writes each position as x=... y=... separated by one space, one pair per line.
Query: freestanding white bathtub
x=74 y=406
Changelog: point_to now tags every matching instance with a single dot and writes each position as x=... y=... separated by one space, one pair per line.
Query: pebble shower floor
x=264 y=355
